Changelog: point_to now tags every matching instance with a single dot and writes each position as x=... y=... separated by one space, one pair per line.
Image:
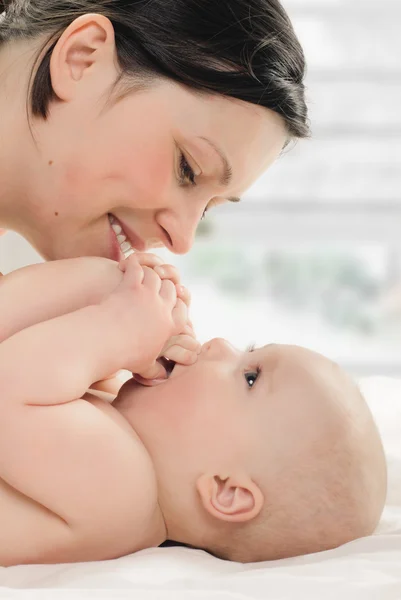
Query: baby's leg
x=40 y=292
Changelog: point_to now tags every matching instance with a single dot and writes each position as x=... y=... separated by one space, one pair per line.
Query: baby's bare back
x=30 y=533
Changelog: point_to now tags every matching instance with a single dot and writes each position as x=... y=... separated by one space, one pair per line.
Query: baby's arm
x=57 y=449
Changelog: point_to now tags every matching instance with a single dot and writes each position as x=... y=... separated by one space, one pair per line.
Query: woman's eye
x=186 y=171
x=251 y=377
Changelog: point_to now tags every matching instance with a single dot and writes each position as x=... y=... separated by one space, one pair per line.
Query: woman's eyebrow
x=227 y=175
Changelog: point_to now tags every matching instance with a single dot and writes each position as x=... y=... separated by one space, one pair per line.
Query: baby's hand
x=182 y=348
x=147 y=313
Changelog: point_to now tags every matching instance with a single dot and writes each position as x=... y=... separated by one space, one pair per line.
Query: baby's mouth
x=167 y=364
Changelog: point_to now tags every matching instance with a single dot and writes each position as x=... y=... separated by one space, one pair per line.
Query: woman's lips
x=133 y=238
x=127 y=240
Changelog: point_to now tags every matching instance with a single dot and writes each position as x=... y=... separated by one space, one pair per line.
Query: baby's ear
x=235 y=499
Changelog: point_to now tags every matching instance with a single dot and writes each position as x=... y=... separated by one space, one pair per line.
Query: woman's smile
x=124 y=240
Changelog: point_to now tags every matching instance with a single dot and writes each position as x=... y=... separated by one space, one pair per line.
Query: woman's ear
x=86 y=47
x=235 y=499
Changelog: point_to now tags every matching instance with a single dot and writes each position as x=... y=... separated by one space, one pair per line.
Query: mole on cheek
x=50 y=164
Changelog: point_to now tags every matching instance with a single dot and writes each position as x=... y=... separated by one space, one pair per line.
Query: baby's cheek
x=178 y=407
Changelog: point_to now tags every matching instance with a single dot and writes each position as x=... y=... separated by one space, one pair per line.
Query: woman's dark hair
x=245 y=49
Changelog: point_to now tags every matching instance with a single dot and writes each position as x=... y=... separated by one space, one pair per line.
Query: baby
x=252 y=456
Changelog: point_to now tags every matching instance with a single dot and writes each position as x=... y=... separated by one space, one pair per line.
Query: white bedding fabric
x=366 y=569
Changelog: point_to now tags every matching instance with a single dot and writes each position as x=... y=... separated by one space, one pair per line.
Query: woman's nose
x=182 y=240
x=180 y=227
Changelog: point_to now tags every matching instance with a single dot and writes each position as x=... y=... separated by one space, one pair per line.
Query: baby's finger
x=188 y=330
x=185 y=341
x=147 y=259
x=184 y=294
x=122 y=265
x=151 y=280
x=168 y=272
x=168 y=292
x=181 y=355
x=156 y=371
x=133 y=272
x=180 y=316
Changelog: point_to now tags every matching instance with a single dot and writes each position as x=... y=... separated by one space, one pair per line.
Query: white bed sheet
x=366 y=569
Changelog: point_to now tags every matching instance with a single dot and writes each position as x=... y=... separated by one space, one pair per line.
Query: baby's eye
x=251 y=377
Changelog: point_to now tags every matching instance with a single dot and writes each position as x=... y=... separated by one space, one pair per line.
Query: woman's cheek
x=151 y=180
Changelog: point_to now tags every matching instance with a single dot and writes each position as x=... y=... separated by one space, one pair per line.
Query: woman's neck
x=16 y=143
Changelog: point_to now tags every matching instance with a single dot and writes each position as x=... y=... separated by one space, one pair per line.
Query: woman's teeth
x=124 y=244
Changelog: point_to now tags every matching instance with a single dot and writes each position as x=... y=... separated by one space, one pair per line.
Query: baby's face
x=281 y=418
x=233 y=406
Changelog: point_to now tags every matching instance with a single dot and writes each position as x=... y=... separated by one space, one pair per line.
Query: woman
x=123 y=122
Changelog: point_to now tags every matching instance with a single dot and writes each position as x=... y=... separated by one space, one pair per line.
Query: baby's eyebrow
x=270 y=363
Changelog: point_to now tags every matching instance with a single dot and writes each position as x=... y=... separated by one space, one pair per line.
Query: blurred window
x=312 y=256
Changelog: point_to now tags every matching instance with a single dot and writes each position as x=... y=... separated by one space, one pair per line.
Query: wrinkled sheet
x=366 y=569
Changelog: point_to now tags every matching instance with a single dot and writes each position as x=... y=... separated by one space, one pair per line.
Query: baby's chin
x=126 y=392
x=136 y=382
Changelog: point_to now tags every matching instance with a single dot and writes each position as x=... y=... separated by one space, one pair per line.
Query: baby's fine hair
x=322 y=500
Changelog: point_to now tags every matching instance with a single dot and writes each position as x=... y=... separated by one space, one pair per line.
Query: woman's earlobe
x=87 y=42
x=236 y=499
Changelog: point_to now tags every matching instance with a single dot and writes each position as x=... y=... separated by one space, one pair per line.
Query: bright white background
x=312 y=255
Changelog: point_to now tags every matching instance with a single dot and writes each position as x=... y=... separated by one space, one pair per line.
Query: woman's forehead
x=217 y=112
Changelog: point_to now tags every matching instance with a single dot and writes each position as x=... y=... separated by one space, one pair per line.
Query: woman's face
x=132 y=159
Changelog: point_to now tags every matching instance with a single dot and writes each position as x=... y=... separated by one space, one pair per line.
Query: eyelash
x=187 y=172
x=256 y=372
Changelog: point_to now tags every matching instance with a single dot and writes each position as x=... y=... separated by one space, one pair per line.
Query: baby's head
x=261 y=455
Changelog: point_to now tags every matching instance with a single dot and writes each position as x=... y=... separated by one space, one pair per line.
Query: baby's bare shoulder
x=105 y=508
x=135 y=494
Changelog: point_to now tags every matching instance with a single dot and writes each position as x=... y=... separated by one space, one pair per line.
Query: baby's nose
x=220 y=348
